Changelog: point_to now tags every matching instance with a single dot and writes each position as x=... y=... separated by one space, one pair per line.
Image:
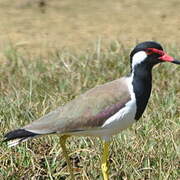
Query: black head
x=151 y=53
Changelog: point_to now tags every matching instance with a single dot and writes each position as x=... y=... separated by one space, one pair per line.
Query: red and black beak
x=164 y=56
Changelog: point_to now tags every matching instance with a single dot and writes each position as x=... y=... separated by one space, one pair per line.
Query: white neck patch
x=138 y=58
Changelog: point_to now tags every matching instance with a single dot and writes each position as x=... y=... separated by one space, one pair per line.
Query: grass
x=32 y=86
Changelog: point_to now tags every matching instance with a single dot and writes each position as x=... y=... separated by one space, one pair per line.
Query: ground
x=42 y=27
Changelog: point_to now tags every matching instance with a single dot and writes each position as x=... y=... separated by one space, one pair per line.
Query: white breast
x=124 y=117
x=119 y=121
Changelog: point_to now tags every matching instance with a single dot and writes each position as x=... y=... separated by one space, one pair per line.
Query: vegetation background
x=52 y=51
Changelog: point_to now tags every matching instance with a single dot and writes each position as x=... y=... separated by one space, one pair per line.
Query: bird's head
x=150 y=53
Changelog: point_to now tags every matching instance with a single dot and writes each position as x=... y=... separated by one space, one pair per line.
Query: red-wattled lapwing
x=104 y=110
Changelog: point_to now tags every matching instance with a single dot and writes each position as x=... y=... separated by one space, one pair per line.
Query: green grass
x=32 y=86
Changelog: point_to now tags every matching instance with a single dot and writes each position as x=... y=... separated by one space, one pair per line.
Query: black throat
x=142 y=84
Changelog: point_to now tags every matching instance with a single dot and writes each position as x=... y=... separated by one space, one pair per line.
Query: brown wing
x=90 y=110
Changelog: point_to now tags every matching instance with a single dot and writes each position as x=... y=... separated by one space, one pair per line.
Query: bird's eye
x=148 y=51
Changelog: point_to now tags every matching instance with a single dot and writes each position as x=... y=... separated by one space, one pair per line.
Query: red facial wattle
x=164 y=56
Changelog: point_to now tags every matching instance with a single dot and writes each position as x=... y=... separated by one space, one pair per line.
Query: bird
x=102 y=111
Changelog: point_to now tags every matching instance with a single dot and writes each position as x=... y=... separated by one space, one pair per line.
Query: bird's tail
x=17 y=136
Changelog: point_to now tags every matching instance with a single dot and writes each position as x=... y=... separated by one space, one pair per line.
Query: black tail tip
x=18 y=133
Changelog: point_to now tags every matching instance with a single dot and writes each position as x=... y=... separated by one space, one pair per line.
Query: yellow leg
x=65 y=153
x=105 y=157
